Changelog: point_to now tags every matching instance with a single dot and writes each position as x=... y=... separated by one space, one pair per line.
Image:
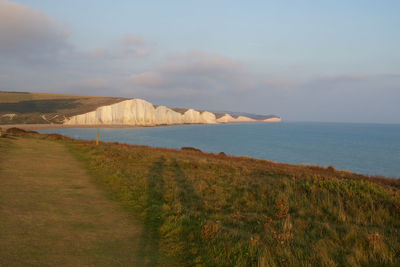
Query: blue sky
x=303 y=60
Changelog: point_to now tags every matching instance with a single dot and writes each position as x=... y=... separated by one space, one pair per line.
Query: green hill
x=216 y=210
x=35 y=108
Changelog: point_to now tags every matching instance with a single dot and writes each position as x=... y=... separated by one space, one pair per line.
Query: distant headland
x=79 y=110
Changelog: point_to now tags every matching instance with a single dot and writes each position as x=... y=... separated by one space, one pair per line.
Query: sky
x=334 y=61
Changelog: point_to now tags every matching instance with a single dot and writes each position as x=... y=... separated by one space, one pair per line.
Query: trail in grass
x=51 y=213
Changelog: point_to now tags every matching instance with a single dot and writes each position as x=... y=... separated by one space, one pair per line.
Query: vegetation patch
x=191 y=149
x=203 y=209
x=217 y=210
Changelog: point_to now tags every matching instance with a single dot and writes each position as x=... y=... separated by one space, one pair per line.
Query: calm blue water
x=362 y=148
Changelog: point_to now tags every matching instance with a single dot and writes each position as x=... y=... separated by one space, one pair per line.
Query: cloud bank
x=29 y=35
x=196 y=70
x=36 y=55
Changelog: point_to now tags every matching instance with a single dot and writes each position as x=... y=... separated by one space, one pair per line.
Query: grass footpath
x=52 y=214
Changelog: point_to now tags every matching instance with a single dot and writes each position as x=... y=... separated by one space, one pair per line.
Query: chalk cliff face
x=273 y=120
x=244 y=119
x=225 y=119
x=228 y=118
x=141 y=113
x=138 y=112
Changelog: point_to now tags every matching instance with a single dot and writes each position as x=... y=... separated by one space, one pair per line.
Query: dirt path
x=51 y=214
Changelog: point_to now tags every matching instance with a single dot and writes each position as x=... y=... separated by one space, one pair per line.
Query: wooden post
x=97 y=139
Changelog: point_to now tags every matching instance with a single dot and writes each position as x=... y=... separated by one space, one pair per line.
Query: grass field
x=17 y=107
x=14 y=97
x=201 y=209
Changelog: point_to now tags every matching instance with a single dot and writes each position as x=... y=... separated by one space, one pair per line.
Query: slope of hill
x=20 y=107
x=205 y=209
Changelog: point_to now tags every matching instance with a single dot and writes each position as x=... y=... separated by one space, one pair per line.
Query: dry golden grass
x=217 y=210
x=203 y=209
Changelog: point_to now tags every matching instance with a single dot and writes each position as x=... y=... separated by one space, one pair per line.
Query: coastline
x=259 y=140
x=344 y=173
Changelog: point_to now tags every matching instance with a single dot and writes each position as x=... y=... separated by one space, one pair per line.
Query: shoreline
x=312 y=166
x=33 y=127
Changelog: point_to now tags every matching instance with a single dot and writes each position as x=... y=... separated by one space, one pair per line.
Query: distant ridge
x=45 y=108
x=236 y=114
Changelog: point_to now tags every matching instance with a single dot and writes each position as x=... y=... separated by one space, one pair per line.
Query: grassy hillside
x=17 y=107
x=217 y=210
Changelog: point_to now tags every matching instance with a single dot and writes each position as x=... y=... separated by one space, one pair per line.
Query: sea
x=372 y=149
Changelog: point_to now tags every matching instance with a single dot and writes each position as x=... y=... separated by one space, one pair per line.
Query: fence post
x=97 y=139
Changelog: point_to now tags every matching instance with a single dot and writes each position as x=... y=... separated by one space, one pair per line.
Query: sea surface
x=372 y=149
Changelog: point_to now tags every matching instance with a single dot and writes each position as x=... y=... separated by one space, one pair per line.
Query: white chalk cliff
x=228 y=118
x=138 y=112
x=273 y=120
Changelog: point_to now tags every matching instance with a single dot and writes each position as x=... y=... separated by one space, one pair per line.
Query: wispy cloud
x=133 y=40
x=129 y=46
x=197 y=70
x=149 y=79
